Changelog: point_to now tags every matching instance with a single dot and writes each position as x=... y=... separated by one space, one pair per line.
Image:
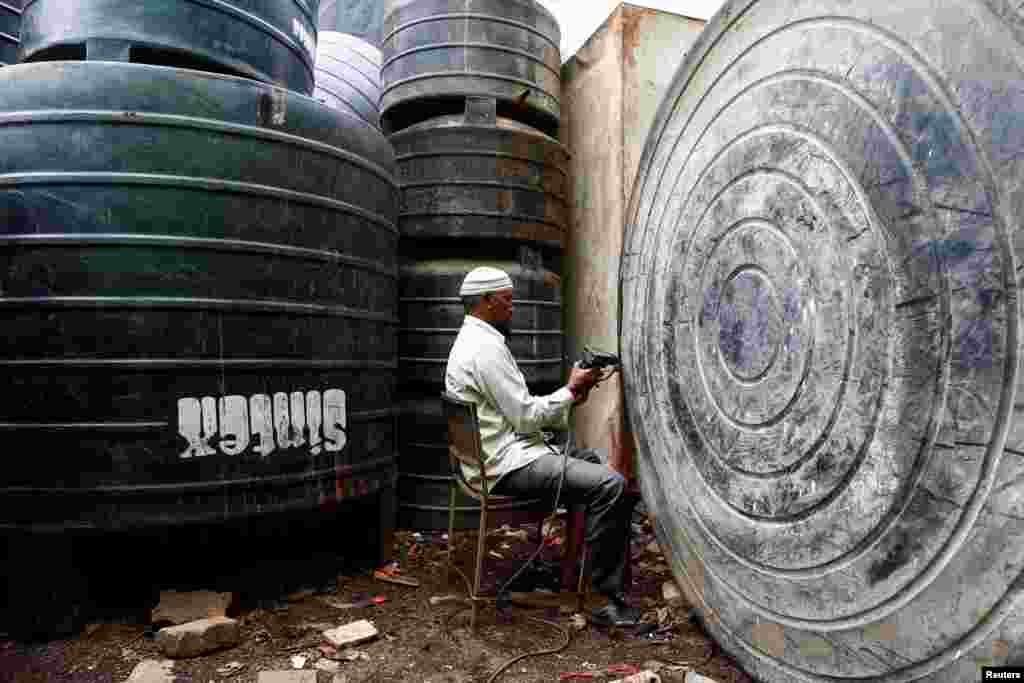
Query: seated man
x=517 y=461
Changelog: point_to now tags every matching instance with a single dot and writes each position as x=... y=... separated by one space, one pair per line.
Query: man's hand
x=582 y=381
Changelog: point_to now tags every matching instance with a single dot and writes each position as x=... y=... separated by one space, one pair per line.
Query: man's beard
x=504 y=328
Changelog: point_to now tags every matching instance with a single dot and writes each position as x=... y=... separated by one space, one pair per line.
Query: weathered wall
x=611 y=90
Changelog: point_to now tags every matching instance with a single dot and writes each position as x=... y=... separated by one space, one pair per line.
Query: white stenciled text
x=232 y=425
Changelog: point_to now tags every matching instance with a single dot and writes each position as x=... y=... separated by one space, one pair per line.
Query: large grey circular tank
x=481 y=177
x=430 y=314
x=821 y=336
x=437 y=52
x=10 y=28
x=348 y=75
x=198 y=278
x=269 y=40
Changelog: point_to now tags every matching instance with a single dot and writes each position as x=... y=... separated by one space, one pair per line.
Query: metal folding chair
x=464 y=447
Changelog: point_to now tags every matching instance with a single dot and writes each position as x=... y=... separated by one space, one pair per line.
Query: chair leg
x=481 y=548
x=574 y=542
x=581 y=586
x=451 y=533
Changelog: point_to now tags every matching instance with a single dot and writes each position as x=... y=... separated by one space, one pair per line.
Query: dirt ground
x=419 y=641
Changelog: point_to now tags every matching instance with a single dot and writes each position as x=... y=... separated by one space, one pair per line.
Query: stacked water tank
x=348 y=75
x=471 y=105
x=10 y=27
x=199 y=272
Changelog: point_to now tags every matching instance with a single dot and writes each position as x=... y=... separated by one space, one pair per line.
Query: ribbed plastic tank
x=198 y=299
x=361 y=18
x=10 y=28
x=269 y=40
x=437 y=52
x=348 y=75
x=821 y=337
x=431 y=315
x=474 y=175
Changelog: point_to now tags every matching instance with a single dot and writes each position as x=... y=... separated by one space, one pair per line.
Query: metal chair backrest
x=463 y=439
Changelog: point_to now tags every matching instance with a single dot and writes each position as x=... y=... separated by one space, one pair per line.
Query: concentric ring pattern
x=820 y=331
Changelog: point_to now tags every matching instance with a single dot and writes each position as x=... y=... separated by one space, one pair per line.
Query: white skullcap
x=483 y=280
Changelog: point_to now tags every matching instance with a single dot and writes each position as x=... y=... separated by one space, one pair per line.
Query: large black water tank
x=10 y=27
x=438 y=52
x=269 y=40
x=431 y=314
x=198 y=279
x=476 y=176
x=821 y=336
x=348 y=75
x=476 y=190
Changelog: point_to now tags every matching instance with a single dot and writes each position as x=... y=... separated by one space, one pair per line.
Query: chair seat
x=494 y=501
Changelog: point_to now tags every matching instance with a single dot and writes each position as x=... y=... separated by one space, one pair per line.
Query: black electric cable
x=503 y=590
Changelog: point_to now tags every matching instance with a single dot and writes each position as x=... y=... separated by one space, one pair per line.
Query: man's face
x=501 y=305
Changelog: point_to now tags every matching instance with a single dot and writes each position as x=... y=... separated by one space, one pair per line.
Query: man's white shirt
x=481 y=370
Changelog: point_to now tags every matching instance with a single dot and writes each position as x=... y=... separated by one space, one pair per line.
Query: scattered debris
x=230 y=669
x=299 y=596
x=351 y=634
x=347 y=655
x=578 y=621
x=153 y=671
x=299 y=662
x=181 y=608
x=354 y=656
x=622 y=670
x=317 y=626
x=540 y=599
x=392 y=573
x=519 y=535
x=394 y=577
x=495 y=555
x=611 y=670
x=91 y=629
x=694 y=677
x=671 y=593
x=436 y=600
x=640 y=677
x=286 y=677
x=327 y=665
x=198 y=637
x=653 y=548
x=337 y=604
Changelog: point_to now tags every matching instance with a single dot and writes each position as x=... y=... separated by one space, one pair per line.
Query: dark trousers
x=608 y=511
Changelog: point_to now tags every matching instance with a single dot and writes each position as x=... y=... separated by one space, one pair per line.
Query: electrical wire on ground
x=504 y=588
